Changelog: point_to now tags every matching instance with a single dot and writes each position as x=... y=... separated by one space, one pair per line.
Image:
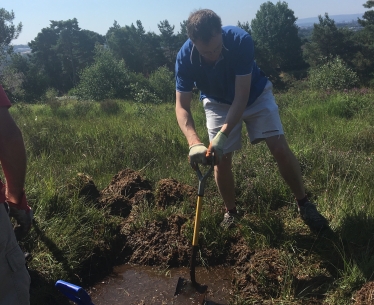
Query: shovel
x=192 y=289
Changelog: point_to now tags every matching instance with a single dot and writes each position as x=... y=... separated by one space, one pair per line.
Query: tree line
x=127 y=61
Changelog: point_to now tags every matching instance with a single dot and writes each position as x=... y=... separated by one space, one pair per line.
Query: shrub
x=109 y=107
x=334 y=75
x=82 y=108
x=107 y=78
x=163 y=84
x=144 y=96
x=12 y=82
x=140 y=80
x=50 y=98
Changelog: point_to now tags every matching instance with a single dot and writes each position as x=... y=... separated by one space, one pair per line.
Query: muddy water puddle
x=143 y=285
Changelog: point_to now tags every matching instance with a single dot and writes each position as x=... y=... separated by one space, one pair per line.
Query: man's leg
x=290 y=170
x=287 y=163
x=226 y=186
x=225 y=181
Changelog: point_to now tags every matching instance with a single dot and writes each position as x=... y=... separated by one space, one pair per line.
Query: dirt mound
x=263 y=276
x=365 y=295
x=160 y=243
x=126 y=189
x=84 y=186
x=170 y=192
x=240 y=253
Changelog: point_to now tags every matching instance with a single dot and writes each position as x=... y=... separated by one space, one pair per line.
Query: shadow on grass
x=43 y=291
x=352 y=244
x=52 y=247
x=93 y=269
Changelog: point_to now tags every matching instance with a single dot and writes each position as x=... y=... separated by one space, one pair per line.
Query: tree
x=63 y=50
x=141 y=51
x=245 y=26
x=8 y=32
x=169 y=42
x=66 y=43
x=327 y=42
x=183 y=30
x=45 y=56
x=24 y=80
x=275 y=34
x=363 y=59
x=182 y=34
x=368 y=17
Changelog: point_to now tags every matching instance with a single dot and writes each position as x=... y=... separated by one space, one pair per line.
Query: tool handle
x=193 y=264
x=195 y=239
x=210 y=157
x=74 y=293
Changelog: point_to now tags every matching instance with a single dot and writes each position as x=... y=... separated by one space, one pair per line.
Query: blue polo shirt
x=218 y=81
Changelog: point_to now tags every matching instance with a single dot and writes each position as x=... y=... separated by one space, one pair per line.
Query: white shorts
x=261 y=119
x=14 y=277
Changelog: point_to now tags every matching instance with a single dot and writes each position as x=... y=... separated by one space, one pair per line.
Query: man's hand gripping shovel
x=192 y=289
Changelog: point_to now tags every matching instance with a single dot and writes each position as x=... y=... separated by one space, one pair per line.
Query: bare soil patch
x=260 y=276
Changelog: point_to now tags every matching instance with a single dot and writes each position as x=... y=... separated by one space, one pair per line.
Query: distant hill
x=348 y=18
x=22 y=49
x=302 y=23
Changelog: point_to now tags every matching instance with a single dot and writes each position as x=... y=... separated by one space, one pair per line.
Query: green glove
x=197 y=154
x=216 y=146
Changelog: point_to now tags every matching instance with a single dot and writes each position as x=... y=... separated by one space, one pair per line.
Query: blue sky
x=98 y=16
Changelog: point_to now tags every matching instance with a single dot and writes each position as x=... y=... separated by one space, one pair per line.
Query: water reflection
x=143 y=285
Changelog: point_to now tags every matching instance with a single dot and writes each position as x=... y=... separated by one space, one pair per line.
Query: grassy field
x=331 y=134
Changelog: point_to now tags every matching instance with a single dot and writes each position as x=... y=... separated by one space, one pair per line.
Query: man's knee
x=225 y=165
x=279 y=148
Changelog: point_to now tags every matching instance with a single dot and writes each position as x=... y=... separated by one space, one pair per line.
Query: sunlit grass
x=331 y=134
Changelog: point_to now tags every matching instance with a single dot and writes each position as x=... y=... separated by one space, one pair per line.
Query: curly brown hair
x=203 y=25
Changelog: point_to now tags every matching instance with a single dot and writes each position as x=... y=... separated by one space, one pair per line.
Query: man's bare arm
x=184 y=117
x=12 y=156
x=242 y=89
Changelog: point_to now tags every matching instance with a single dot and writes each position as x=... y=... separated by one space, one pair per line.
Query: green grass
x=331 y=134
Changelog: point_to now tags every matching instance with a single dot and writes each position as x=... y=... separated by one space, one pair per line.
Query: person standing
x=219 y=61
x=14 y=277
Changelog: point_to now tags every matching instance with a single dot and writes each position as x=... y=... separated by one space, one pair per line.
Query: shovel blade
x=188 y=292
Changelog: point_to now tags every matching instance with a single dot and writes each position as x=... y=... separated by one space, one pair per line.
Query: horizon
x=99 y=16
x=307 y=22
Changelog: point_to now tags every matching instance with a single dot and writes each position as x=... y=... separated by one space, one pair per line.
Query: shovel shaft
x=193 y=264
x=195 y=240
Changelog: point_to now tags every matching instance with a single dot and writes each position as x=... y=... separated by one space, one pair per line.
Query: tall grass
x=331 y=134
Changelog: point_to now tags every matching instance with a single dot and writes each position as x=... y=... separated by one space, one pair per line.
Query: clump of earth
x=365 y=295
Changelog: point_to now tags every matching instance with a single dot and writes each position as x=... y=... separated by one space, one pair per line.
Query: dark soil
x=126 y=189
x=365 y=295
x=160 y=243
x=260 y=276
x=170 y=192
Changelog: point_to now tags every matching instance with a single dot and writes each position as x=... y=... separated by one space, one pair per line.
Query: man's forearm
x=186 y=124
x=242 y=89
x=13 y=158
x=184 y=117
x=14 y=167
x=233 y=116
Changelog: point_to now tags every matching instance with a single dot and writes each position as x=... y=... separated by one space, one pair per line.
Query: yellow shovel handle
x=195 y=240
